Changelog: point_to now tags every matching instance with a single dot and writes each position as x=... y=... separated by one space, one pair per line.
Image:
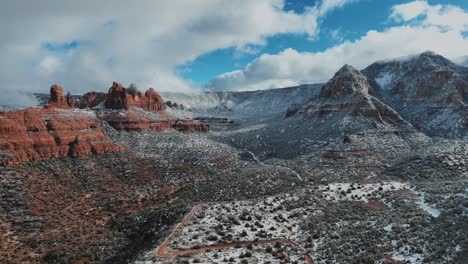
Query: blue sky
x=347 y=23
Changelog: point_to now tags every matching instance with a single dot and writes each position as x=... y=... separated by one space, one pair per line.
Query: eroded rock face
x=427 y=90
x=119 y=97
x=150 y=100
x=347 y=81
x=116 y=97
x=191 y=126
x=57 y=99
x=70 y=100
x=37 y=134
x=131 y=121
x=91 y=99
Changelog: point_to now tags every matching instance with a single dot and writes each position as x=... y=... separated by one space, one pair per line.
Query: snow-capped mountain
x=346 y=99
x=428 y=90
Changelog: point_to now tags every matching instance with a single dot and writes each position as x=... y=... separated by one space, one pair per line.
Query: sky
x=221 y=45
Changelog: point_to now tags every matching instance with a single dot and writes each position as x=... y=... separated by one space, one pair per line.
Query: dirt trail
x=165 y=251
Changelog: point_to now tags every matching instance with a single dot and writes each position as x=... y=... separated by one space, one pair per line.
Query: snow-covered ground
x=241 y=221
x=360 y=192
x=426 y=207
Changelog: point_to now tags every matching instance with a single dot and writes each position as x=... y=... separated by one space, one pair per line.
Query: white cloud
x=449 y=17
x=49 y=64
x=291 y=67
x=130 y=41
x=328 y=5
x=409 y=11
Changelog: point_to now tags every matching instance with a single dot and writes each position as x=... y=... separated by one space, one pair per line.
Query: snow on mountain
x=244 y=104
x=344 y=107
x=384 y=80
x=428 y=90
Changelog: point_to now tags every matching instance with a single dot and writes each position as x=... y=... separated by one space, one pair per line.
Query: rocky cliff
x=57 y=100
x=91 y=99
x=428 y=90
x=348 y=95
x=37 y=134
x=119 y=97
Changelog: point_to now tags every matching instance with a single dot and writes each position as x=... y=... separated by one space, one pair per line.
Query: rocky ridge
x=428 y=90
x=349 y=90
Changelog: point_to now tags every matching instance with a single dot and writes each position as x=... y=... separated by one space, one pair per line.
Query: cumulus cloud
x=142 y=42
x=440 y=29
x=409 y=11
x=448 y=17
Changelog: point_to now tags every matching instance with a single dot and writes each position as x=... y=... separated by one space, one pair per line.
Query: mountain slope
x=343 y=107
x=244 y=104
x=428 y=90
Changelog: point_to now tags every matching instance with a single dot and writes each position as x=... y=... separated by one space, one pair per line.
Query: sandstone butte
x=120 y=98
x=58 y=130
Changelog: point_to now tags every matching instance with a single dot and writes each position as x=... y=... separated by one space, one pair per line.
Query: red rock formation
x=91 y=99
x=116 y=97
x=120 y=98
x=191 y=126
x=153 y=101
x=131 y=121
x=35 y=134
x=70 y=100
x=57 y=99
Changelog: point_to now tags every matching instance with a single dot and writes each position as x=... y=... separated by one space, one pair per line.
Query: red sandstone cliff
x=132 y=121
x=119 y=97
x=57 y=100
x=36 y=134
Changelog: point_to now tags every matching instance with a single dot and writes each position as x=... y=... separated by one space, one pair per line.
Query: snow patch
x=384 y=80
x=426 y=207
x=360 y=192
